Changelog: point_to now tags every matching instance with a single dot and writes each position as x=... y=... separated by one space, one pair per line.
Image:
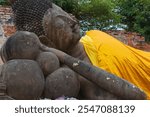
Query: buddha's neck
x=77 y=51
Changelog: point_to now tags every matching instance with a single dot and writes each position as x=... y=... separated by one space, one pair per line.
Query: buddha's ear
x=46 y=41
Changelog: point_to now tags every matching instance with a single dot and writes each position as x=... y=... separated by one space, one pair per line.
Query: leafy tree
x=4 y=2
x=136 y=15
x=99 y=13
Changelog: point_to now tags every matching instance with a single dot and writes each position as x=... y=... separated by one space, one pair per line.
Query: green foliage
x=136 y=15
x=4 y=2
x=99 y=14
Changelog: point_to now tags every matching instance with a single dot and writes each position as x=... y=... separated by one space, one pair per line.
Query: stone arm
x=103 y=79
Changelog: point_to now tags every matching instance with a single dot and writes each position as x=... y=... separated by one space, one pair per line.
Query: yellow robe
x=108 y=53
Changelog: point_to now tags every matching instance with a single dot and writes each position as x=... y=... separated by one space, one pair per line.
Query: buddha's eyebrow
x=69 y=19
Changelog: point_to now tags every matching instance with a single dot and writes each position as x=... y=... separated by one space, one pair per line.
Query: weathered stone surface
x=24 y=79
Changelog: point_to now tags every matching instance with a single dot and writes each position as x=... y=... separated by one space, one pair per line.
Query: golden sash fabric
x=112 y=55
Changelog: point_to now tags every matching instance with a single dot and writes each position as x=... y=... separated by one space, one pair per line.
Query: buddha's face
x=61 y=29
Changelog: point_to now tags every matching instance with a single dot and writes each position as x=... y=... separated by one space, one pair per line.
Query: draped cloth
x=110 y=54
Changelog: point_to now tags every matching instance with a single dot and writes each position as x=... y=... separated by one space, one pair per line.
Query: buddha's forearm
x=105 y=80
